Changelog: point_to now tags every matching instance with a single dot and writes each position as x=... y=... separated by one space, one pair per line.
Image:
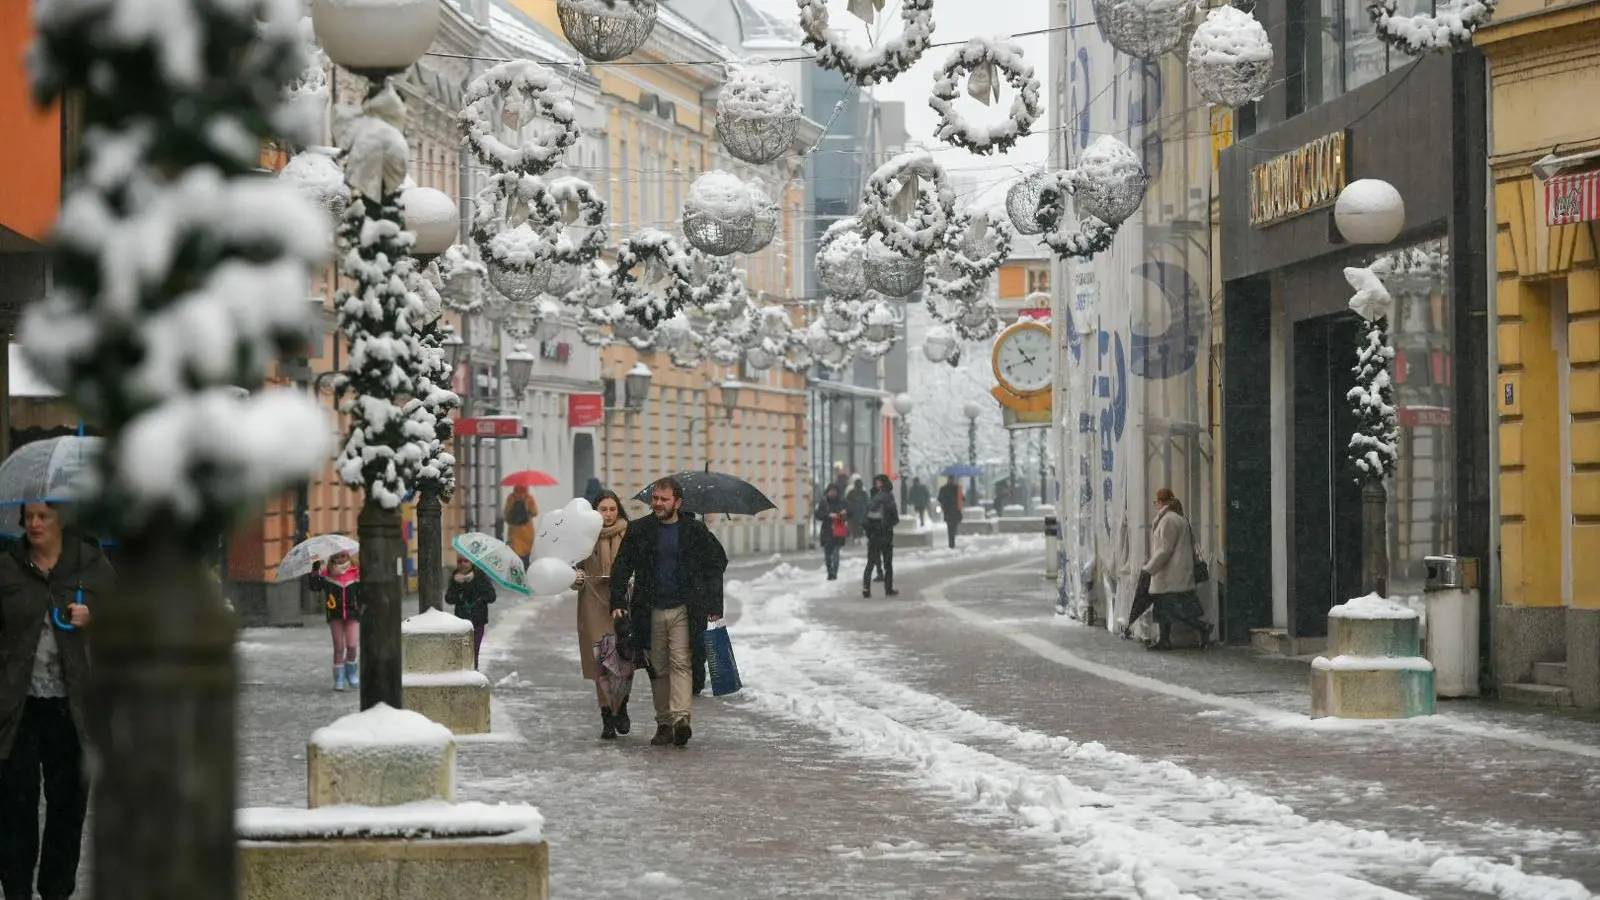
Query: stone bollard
x=380 y=757
x=1375 y=669
x=440 y=681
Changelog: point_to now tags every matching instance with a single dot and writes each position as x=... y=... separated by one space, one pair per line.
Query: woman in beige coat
x=594 y=608
x=1171 y=572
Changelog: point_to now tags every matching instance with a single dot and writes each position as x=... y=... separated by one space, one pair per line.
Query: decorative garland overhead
x=652 y=249
x=1092 y=236
x=985 y=62
x=1450 y=27
x=912 y=216
x=560 y=204
x=604 y=30
x=757 y=115
x=527 y=92
x=871 y=65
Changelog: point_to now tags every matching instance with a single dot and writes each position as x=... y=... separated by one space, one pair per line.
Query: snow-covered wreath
x=562 y=205
x=524 y=92
x=985 y=61
x=892 y=204
x=1092 y=235
x=1449 y=27
x=660 y=260
x=871 y=65
x=980 y=243
x=521 y=226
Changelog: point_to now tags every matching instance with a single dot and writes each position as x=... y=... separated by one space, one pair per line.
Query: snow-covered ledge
x=418 y=851
x=440 y=681
x=380 y=757
x=436 y=641
x=1375 y=668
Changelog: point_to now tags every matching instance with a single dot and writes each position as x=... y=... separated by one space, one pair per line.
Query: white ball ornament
x=1370 y=211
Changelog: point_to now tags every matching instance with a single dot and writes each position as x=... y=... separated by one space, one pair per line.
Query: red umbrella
x=529 y=478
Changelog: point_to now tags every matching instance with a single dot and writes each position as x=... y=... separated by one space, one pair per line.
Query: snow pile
x=1372 y=663
x=468 y=678
x=382 y=726
x=412 y=821
x=756 y=93
x=721 y=195
x=1372 y=606
x=1372 y=300
x=435 y=621
x=1230 y=57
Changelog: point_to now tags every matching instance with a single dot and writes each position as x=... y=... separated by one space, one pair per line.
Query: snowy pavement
x=961 y=741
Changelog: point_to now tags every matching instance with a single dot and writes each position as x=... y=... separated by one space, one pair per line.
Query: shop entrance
x=1325 y=540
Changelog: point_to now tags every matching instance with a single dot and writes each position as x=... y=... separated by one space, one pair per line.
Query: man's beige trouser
x=673 y=687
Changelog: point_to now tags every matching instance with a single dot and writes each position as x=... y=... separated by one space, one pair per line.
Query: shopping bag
x=721 y=670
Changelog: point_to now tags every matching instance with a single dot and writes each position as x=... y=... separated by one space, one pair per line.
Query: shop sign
x=490 y=427
x=1569 y=199
x=1423 y=417
x=585 y=410
x=1304 y=179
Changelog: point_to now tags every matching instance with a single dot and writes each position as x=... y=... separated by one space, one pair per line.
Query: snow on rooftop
x=518 y=32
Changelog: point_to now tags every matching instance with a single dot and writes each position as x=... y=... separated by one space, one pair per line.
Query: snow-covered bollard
x=440 y=680
x=380 y=757
x=1376 y=670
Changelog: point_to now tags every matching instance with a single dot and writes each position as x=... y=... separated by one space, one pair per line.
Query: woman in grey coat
x=1171 y=573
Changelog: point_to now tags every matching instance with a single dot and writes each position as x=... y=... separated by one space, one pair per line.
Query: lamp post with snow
x=903 y=404
x=972 y=411
x=635 y=390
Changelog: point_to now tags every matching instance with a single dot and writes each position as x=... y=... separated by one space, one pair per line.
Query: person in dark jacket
x=882 y=516
x=339 y=587
x=675 y=565
x=832 y=514
x=856 y=501
x=49 y=582
x=471 y=592
x=950 y=508
x=919 y=501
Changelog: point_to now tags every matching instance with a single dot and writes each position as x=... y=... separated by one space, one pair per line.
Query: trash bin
x=1052 y=547
x=1451 y=596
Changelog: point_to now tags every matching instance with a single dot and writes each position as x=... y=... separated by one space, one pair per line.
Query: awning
x=1569 y=199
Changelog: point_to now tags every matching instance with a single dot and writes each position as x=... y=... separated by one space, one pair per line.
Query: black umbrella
x=709 y=493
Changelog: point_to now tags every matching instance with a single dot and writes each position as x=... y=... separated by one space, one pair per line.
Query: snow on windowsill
x=1372 y=606
x=380 y=726
x=435 y=621
x=462 y=678
x=420 y=820
x=1372 y=663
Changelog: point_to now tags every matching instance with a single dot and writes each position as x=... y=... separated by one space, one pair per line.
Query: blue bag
x=721 y=670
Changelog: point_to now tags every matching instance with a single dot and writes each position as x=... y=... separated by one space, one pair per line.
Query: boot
x=866 y=591
x=620 y=719
x=663 y=736
x=681 y=733
x=339 y=682
x=890 y=592
x=352 y=674
x=608 y=725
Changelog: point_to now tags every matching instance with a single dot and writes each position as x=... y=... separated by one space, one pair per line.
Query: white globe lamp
x=433 y=217
x=375 y=38
x=1369 y=211
x=903 y=404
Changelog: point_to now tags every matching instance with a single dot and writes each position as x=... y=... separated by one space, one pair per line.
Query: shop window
x=1038 y=281
x=1365 y=57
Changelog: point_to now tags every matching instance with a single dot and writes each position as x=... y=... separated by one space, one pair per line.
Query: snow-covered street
x=960 y=740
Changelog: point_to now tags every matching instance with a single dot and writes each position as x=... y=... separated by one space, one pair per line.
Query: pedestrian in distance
x=675 y=566
x=521 y=511
x=49 y=582
x=882 y=516
x=950 y=508
x=1170 y=570
x=856 y=501
x=920 y=501
x=339 y=586
x=470 y=592
x=831 y=535
x=596 y=624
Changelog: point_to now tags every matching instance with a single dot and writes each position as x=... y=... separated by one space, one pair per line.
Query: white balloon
x=549 y=576
x=569 y=533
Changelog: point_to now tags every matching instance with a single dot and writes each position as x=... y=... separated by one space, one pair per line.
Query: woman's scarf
x=605 y=549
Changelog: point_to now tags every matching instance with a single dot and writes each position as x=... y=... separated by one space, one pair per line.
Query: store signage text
x=1300 y=181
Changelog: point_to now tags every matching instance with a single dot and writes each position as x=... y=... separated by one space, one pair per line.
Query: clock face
x=1023 y=360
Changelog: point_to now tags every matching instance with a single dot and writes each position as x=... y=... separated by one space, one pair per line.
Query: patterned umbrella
x=297 y=562
x=497 y=560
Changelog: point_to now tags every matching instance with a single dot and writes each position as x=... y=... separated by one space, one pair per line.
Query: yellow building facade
x=1544 y=64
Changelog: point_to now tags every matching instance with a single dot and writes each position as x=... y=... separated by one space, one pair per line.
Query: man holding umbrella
x=675 y=565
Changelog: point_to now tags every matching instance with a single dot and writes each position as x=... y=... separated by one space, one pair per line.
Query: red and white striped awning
x=1569 y=199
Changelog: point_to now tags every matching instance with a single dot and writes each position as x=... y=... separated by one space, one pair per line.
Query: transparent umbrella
x=494 y=558
x=55 y=470
x=297 y=562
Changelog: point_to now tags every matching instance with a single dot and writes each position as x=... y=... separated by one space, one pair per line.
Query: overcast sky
x=960 y=20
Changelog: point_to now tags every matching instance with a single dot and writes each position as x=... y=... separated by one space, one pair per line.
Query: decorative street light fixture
x=730 y=398
x=519 y=369
x=903 y=404
x=972 y=411
x=1369 y=211
x=433 y=217
x=636 y=387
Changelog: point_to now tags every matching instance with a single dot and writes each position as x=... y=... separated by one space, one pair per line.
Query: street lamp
x=636 y=387
x=375 y=38
x=433 y=217
x=903 y=404
x=730 y=398
x=972 y=411
x=1369 y=211
x=519 y=369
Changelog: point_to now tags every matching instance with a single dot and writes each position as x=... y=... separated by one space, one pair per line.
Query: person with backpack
x=521 y=511
x=833 y=515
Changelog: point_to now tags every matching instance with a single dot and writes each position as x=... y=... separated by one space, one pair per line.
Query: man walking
x=882 y=516
x=950 y=508
x=675 y=565
x=919 y=501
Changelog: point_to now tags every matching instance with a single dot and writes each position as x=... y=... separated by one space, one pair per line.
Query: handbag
x=840 y=529
x=1202 y=571
x=721 y=670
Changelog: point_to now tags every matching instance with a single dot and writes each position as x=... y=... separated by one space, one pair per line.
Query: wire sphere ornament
x=1230 y=57
x=870 y=65
x=719 y=215
x=461 y=278
x=889 y=273
x=758 y=115
x=985 y=62
x=839 y=316
x=878 y=323
x=1145 y=29
x=606 y=30
x=521 y=284
x=939 y=343
x=1109 y=182
x=760 y=358
x=841 y=260
x=767 y=212
x=524 y=92
x=1022 y=202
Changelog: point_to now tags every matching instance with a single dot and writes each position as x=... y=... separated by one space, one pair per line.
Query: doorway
x=1326 y=497
x=582 y=461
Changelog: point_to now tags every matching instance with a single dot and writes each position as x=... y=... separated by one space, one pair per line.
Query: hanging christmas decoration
x=571 y=219
x=986 y=63
x=888 y=272
x=879 y=330
x=604 y=30
x=524 y=92
x=1109 y=182
x=719 y=215
x=1022 y=202
x=1373 y=445
x=1447 y=28
x=908 y=200
x=652 y=280
x=757 y=115
x=867 y=66
x=461 y=278
x=316 y=173
x=938 y=343
x=981 y=244
x=1230 y=57
x=1145 y=29
x=841 y=260
x=767 y=211
x=978 y=323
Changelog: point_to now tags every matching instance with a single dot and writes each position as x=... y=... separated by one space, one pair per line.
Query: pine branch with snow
x=1373 y=445
x=168 y=232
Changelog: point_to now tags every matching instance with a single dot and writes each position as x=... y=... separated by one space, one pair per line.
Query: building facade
x=1291 y=500
x=1544 y=71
